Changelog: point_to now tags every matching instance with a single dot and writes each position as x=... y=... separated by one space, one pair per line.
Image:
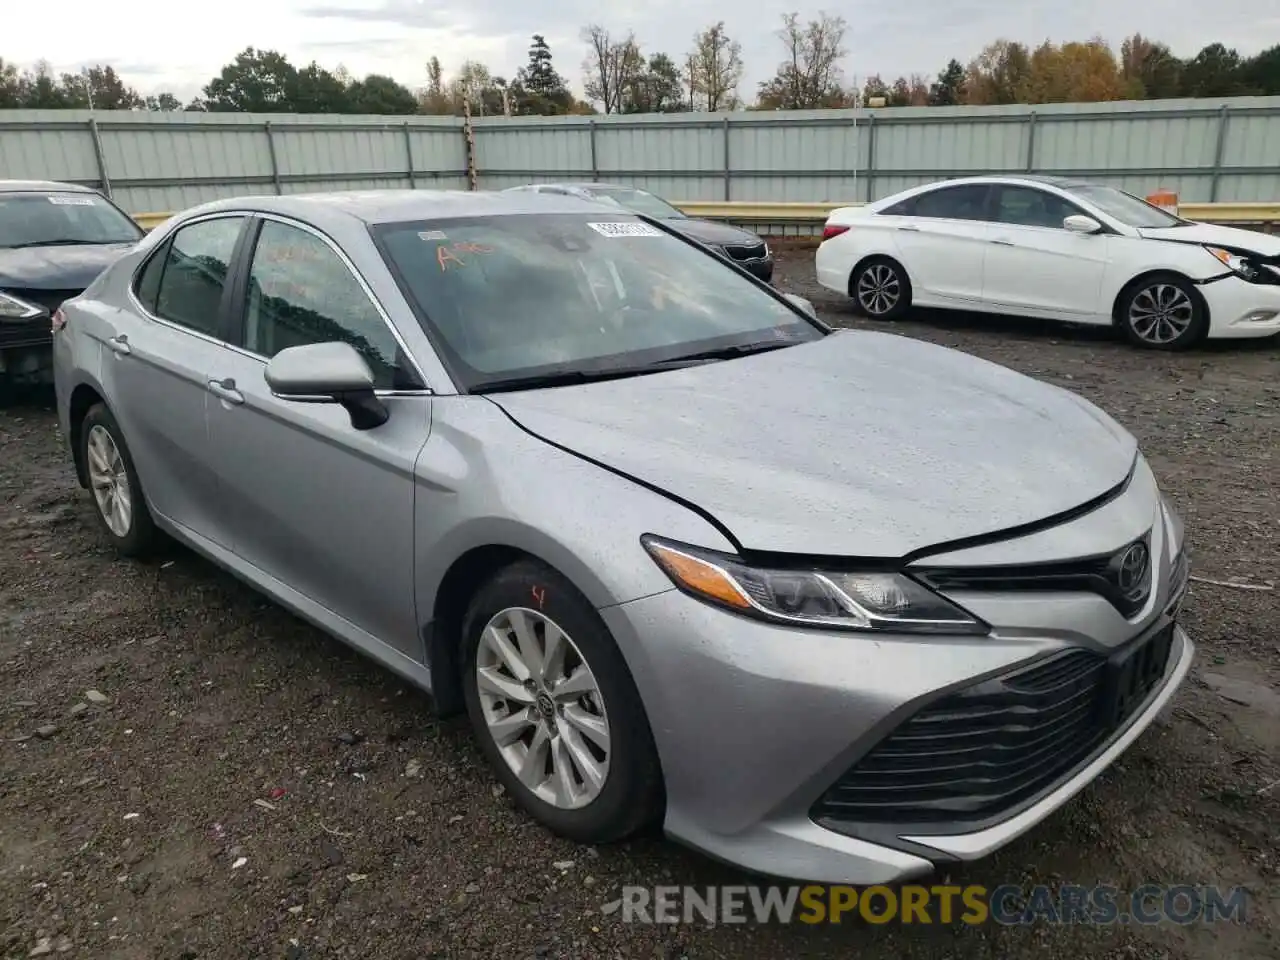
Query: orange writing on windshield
x=447 y=255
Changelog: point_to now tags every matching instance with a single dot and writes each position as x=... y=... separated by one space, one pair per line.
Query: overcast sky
x=161 y=45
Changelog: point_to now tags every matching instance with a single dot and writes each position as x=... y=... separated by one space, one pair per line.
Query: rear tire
x=880 y=289
x=1163 y=311
x=117 y=495
x=555 y=709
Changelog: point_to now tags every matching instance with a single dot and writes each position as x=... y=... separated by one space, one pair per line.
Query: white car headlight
x=15 y=308
x=876 y=601
x=1234 y=262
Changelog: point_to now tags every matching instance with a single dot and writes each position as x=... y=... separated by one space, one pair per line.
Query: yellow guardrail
x=814 y=213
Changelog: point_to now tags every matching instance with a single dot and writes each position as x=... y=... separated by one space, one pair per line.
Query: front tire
x=113 y=482
x=880 y=289
x=1163 y=312
x=555 y=709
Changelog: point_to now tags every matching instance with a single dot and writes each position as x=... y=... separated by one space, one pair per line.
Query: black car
x=741 y=246
x=55 y=238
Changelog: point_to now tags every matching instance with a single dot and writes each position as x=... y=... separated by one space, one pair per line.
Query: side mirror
x=328 y=373
x=1078 y=223
x=802 y=303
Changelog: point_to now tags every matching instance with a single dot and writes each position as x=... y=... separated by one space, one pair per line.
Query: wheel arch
x=1151 y=274
x=83 y=398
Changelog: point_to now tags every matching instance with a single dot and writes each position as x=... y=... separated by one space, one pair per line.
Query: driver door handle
x=120 y=345
x=226 y=390
x=910 y=229
x=1003 y=243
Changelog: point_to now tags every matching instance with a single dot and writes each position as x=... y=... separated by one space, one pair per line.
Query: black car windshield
x=640 y=201
x=509 y=298
x=1127 y=208
x=51 y=219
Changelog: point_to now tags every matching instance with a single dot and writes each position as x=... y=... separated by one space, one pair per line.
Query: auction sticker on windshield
x=72 y=201
x=625 y=229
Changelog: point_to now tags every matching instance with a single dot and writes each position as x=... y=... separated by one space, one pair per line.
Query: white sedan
x=1055 y=249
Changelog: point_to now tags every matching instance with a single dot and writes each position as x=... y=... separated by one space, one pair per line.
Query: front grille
x=742 y=253
x=1103 y=575
x=978 y=754
x=51 y=300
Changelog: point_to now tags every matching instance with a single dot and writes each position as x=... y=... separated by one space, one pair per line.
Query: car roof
x=591 y=185
x=1062 y=183
x=393 y=206
x=42 y=186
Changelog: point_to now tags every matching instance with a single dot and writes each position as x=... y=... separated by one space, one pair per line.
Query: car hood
x=708 y=231
x=1211 y=233
x=860 y=444
x=57 y=268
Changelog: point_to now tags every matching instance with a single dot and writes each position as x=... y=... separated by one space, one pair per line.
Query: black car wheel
x=880 y=288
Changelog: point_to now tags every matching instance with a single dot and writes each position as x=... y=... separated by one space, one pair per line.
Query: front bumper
x=760 y=727
x=1240 y=309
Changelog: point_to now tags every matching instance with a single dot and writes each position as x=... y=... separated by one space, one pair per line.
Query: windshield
x=513 y=297
x=640 y=201
x=1127 y=208
x=47 y=219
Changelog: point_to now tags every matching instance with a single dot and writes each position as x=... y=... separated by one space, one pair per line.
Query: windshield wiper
x=566 y=378
x=64 y=242
x=738 y=350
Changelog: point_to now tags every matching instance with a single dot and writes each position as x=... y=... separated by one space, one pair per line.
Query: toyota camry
x=840 y=606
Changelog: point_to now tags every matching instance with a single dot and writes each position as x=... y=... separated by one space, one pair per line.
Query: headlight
x=871 y=601
x=12 y=308
x=1234 y=262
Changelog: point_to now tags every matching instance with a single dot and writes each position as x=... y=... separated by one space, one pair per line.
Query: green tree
x=659 y=89
x=255 y=82
x=948 y=89
x=1214 y=72
x=377 y=94
x=39 y=89
x=538 y=88
x=10 y=86
x=313 y=89
x=1150 y=70
x=166 y=102
x=1262 y=73
x=100 y=88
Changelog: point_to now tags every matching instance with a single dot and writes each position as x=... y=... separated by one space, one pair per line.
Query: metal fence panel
x=1206 y=151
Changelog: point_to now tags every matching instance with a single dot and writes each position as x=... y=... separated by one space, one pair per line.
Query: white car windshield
x=58 y=219
x=1127 y=208
x=506 y=297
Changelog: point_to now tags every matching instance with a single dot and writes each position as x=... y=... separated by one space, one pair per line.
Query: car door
x=323 y=508
x=1034 y=263
x=942 y=237
x=157 y=374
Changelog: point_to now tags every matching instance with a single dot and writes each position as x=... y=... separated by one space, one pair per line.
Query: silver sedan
x=839 y=606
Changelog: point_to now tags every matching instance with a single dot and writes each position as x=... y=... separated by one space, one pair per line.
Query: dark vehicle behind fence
x=55 y=238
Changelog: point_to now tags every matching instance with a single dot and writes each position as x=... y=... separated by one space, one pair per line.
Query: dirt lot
x=133 y=830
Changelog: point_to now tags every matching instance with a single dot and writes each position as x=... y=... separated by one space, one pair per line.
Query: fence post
x=468 y=133
x=1031 y=141
x=408 y=156
x=595 y=163
x=871 y=155
x=96 y=135
x=728 y=170
x=1224 y=117
x=271 y=151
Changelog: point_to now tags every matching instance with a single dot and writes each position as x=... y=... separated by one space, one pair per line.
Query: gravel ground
x=238 y=785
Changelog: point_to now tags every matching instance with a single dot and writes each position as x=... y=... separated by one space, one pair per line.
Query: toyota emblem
x=1131 y=573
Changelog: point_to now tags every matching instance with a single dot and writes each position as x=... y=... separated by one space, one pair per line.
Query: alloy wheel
x=543 y=708
x=109 y=481
x=879 y=289
x=1160 y=314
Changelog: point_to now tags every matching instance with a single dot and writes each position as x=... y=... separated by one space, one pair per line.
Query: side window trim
x=244 y=266
x=162 y=249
